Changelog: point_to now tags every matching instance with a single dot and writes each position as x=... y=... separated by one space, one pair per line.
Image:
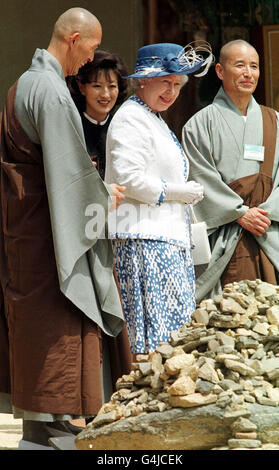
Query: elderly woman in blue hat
x=151 y=230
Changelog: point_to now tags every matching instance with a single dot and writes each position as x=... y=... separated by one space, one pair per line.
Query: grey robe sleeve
x=271 y=205
x=220 y=205
x=72 y=181
x=84 y=264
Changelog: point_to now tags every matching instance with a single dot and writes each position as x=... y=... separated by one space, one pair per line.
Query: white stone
x=240 y=367
x=272 y=314
x=229 y=305
x=176 y=363
x=265 y=290
x=261 y=328
x=224 y=339
x=243 y=332
x=273 y=394
x=221 y=357
x=207 y=372
x=182 y=386
x=273 y=330
x=196 y=399
x=201 y=316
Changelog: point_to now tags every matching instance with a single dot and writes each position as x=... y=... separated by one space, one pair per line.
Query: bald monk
x=61 y=322
x=233 y=148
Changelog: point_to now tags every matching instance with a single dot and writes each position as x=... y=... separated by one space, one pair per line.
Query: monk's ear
x=219 y=71
x=72 y=38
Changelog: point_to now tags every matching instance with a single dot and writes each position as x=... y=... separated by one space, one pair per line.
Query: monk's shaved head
x=239 y=71
x=226 y=49
x=74 y=20
x=76 y=35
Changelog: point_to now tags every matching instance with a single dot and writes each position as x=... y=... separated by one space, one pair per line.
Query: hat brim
x=141 y=74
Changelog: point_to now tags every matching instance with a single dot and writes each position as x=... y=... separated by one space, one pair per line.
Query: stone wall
x=215 y=384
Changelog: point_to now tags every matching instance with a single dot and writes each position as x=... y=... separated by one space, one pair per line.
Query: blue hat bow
x=171 y=63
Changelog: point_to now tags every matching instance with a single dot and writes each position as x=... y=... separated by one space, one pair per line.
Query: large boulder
x=200 y=428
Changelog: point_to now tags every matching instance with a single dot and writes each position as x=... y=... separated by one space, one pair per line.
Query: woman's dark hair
x=104 y=61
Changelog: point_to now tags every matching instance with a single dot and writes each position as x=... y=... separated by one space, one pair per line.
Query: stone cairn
x=227 y=355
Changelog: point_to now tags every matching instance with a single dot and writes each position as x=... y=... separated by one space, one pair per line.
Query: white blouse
x=144 y=156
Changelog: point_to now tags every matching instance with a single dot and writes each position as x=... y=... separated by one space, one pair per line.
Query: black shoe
x=65 y=427
x=37 y=433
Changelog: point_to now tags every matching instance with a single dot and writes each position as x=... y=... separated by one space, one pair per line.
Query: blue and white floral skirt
x=157 y=284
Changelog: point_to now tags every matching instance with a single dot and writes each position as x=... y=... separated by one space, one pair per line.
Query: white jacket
x=143 y=155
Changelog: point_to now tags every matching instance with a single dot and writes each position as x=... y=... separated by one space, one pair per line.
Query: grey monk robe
x=60 y=299
x=214 y=141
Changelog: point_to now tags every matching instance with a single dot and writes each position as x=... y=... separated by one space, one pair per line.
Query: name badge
x=254 y=152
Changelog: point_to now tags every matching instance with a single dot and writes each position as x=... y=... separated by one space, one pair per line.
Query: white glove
x=190 y=192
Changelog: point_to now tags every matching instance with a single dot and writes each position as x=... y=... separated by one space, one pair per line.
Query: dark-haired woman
x=97 y=90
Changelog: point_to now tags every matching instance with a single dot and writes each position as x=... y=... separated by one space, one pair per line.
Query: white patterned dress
x=156 y=277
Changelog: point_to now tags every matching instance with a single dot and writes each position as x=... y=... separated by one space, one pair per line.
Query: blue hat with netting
x=158 y=60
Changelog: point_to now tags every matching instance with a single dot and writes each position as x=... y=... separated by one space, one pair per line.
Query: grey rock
x=222 y=321
x=245 y=342
x=232 y=375
x=222 y=402
x=226 y=350
x=204 y=387
x=227 y=384
x=244 y=443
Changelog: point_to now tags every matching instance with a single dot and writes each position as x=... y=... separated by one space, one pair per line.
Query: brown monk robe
x=5 y=386
x=248 y=260
x=54 y=350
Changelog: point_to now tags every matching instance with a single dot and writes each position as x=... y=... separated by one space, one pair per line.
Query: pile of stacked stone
x=227 y=355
